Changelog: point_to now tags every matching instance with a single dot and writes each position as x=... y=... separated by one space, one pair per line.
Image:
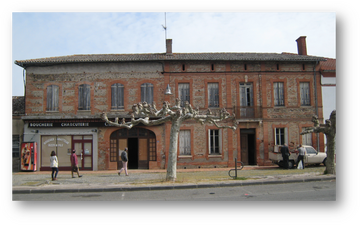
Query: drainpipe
x=316 y=105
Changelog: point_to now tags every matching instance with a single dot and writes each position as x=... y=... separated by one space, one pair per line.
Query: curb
x=175 y=187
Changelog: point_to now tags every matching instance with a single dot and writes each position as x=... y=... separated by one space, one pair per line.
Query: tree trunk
x=330 y=160
x=172 y=158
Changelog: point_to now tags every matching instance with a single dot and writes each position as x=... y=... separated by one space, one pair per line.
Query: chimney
x=301 y=43
x=169 y=46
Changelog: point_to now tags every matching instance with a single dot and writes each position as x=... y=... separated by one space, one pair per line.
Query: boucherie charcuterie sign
x=66 y=124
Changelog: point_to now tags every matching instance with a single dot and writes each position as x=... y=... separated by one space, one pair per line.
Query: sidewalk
x=101 y=181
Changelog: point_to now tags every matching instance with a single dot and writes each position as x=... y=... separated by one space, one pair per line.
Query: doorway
x=248 y=147
x=133 y=153
x=141 y=144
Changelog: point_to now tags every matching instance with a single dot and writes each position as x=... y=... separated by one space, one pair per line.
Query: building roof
x=91 y=58
x=328 y=65
x=18 y=105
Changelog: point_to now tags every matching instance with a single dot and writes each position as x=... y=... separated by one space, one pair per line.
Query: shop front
x=62 y=138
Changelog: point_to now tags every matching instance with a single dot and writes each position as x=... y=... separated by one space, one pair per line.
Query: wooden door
x=244 y=148
x=143 y=154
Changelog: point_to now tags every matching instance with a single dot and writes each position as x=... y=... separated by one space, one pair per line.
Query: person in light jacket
x=301 y=156
x=54 y=165
x=124 y=160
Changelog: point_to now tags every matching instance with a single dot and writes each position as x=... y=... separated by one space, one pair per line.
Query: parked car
x=311 y=157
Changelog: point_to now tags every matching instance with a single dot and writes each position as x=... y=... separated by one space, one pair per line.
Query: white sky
x=37 y=35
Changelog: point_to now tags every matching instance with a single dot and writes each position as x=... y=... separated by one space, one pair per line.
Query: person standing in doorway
x=301 y=156
x=74 y=164
x=54 y=165
x=124 y=160
x=285 y=154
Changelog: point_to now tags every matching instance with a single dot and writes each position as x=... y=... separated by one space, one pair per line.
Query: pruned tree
x=148 y=115
x=329 y=129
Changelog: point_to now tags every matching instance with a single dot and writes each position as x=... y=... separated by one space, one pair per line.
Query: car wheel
x=291 y=164
x=324 y=162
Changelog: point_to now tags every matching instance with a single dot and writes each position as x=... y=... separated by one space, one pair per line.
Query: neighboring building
x=328 y=86
x=18 y=110
x=273 y=97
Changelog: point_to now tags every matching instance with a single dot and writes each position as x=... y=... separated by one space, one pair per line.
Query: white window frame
x=305 y=93
x=277 y=132
x=185 y=142
x=306 y=138
x=211 y=132
x=279 y=98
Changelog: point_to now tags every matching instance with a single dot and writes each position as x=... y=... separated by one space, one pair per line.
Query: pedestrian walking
x=54 y=165
x=285 y=154
x=300 y=159
x=124 y=160
x=74 y=164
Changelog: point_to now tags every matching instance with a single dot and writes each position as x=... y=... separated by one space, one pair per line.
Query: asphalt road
x=306 y=191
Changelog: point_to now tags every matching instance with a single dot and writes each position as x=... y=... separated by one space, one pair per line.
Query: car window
x=310 y=151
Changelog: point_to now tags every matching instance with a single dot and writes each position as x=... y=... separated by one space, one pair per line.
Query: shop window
x=147 y=93
x=185 y=142
x=117 y=96
x=213 y=95
x=84 y=97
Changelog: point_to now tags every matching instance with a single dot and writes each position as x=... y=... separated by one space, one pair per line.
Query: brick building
x=273 y=97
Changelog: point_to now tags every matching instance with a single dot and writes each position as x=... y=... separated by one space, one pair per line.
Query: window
x=213 y=94
x=306 y=138
x=304 y=93
x=214 y=142
x=52 y=96
x=279 y=94
x=280 y=136
x=310 y=151
x=16 y=146
x=147 y=93
x=246 y=94
x=117 y=96
x=184 y=93
x=84 y=97
x=185 y=142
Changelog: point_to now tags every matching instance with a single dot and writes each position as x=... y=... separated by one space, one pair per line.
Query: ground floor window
x=214 y=142
x=280 y=136
x=185 y=142
x=63 y=145
x=306 y=138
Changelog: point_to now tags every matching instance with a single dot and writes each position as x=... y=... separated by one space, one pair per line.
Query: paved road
x=307 y=191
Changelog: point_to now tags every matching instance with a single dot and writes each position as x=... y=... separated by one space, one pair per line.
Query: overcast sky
x=37 y=35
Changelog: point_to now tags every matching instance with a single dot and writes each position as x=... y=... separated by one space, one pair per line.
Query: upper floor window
x=246 y=94
x=117 y=96
x=184 y=93
x=213 y=94
x=279 y=94
x=52 y=96
x=147 y=93
x=84 y=97
x=304 y=93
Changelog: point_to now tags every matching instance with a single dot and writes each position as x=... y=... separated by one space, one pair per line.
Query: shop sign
x=67 y=124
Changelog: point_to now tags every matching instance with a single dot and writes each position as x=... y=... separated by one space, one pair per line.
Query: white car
x=311 y=157
x=314 y=157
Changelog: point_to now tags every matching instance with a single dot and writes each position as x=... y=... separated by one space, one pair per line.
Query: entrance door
x=247 y=144
x=83 y=148
x=141 y=144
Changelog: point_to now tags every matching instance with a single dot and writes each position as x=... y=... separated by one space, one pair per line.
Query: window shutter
x=81 y=97
x=113 y=96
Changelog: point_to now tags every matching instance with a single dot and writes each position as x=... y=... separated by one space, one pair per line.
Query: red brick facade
x=258 y=130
